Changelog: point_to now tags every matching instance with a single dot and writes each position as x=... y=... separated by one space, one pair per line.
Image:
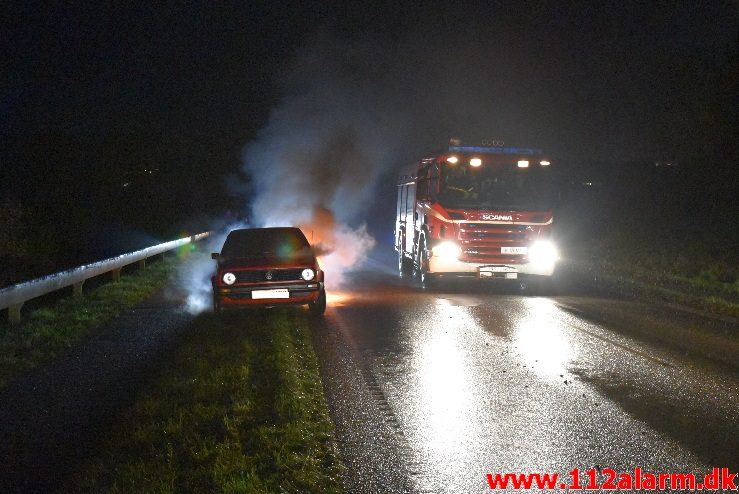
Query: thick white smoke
x=354 y=110
x=194 y=275
x=316 y=163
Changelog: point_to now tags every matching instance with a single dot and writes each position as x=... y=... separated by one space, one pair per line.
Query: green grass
x=239 y=408
x=700 y=271
x=48 y=331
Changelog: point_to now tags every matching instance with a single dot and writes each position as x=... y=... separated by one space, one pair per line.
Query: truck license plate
x=278 y=293
x=487 y=271
x=514 y=250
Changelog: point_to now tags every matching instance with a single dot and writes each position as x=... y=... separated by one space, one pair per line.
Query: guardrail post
x=142 y=263
x=77 y=288
x=116 y=273
x=14 y=313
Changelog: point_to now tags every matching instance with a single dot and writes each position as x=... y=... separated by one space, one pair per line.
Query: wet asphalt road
x=432 y=390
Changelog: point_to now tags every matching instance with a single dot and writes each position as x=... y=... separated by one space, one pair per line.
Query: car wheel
x=318 y=307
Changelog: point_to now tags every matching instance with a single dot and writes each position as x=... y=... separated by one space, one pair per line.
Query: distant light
x=452 y=159
x=523 y=164
x=475 y=162
x=544 y=163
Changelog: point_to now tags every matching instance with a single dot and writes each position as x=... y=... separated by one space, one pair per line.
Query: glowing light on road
x=335 y=298
x=475 y=162
x=451 y=159
x=540 y=339
x=523 y=164
x=544 y=163
x=444 y=388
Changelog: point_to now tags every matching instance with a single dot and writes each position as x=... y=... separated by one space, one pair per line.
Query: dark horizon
x=106 y=112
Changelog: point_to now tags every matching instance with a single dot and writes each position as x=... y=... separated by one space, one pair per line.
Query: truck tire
x=404 y=264
x=420 y=267
x=536 y=287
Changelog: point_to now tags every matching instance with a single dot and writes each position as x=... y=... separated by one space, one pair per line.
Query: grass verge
x=239 y=408
x=702 y=273
x=48 y=331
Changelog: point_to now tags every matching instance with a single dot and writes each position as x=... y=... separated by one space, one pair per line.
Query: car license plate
x=278 y=293
x=514 y=250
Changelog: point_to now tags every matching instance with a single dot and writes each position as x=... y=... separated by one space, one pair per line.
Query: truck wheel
x=544 y=286
x=404 y=265
x=540 y=287
x=318 y=307
x=421 y=268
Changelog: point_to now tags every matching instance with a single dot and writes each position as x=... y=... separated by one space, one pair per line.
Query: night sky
x=92 y=94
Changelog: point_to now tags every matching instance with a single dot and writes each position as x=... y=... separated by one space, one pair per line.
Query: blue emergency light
x=494 y=150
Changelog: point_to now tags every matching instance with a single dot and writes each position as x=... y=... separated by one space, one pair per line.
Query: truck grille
x=258 y=276
x=481 y=242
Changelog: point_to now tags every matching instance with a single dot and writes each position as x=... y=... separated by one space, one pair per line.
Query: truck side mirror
x=215 y=255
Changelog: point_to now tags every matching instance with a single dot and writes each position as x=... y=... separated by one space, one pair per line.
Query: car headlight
x=543 y=253
x=229 y=278
x=449 y=250
x=308 y=274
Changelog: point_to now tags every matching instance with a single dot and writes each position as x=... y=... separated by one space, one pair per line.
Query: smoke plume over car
x=317 y=162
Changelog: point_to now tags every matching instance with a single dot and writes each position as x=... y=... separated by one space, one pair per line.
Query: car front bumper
x=300 y=293
x=455 y=267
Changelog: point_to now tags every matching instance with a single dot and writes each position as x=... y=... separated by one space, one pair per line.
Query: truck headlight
x=308 y=274
x=543 y=253
x=229 y=278
x=448 y=250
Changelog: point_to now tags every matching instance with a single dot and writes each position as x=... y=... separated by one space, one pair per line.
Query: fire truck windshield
x=503 y=188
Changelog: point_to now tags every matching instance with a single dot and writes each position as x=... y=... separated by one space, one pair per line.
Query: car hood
x=271 y=262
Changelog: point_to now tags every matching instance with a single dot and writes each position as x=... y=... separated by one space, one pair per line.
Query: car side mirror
x=215 y=255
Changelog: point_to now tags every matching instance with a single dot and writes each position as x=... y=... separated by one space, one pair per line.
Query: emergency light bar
x=494 y=150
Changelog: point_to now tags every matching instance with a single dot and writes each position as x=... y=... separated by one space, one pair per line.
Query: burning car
x=268 y=267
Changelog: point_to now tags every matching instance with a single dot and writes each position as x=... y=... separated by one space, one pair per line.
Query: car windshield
x=502 y=188
x=282 y=242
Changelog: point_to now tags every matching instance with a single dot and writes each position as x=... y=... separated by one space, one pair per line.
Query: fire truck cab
x=477 y=212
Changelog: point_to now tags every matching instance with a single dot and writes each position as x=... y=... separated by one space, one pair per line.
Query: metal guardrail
x=13 y=297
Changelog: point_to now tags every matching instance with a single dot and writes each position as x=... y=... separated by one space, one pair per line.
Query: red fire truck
x=478 y=212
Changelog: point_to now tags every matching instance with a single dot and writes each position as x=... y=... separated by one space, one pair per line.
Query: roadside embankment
x=52 y=329
x=702 y=273
x=238 y=408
